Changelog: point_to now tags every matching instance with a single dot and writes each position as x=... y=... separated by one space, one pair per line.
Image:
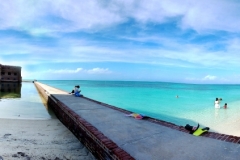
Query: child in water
x=225 y=106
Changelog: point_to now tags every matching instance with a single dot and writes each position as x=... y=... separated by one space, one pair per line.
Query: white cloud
x=206 y=79
x=233 y=45
x=99 y=71
x=78 y=70
x=212 y=15
x=209 y=77
x=66 y=71
x=46 y=16
x=50 y=17
x=70 y=51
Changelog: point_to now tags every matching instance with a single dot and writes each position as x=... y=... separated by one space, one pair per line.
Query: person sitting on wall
x=76 y=91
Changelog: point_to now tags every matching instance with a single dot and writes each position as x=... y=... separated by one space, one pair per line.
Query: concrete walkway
x=143 y=139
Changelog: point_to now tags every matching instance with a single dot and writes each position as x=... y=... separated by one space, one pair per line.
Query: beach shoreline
x=39 y=139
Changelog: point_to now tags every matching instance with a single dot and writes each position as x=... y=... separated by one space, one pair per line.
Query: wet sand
x=39 y=139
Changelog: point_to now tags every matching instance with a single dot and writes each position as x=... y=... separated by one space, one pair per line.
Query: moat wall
x=98 y=144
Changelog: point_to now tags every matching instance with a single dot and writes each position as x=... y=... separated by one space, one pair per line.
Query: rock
x=6 y=135
x=21 y=153
x=28 y=158
x=67 y=156
x=1 y=158
x=15 y=155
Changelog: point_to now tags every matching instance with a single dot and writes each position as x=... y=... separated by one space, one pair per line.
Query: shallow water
x=158 y=99
x=22 y=101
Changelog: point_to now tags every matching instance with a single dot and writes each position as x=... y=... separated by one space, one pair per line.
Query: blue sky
x=139 y=40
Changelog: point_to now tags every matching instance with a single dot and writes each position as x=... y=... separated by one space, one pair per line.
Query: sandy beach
x=39 y=140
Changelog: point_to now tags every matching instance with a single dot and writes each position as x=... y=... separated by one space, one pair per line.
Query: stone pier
x=109 y=134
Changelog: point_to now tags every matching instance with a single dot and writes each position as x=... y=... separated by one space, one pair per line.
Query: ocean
x=195 y=102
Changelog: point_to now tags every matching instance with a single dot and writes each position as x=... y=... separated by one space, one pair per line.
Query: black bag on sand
x=191 y=129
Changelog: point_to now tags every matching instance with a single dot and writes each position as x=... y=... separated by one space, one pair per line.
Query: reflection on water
x=10 y=90
x=216 y=113
x=22 y=101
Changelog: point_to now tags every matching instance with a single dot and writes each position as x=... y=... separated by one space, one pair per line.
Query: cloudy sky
x=141 y=40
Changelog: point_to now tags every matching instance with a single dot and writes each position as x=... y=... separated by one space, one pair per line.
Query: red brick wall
x=10 y=73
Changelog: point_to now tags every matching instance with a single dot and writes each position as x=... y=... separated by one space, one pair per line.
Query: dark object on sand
x=191 y=129
x=196 y=131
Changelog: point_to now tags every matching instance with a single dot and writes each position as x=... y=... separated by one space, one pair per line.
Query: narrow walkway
x=143 y=139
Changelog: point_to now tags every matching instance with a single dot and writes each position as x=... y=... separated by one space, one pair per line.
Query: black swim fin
x=206 y=129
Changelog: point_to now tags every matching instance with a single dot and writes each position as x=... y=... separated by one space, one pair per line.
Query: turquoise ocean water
x=158 y=100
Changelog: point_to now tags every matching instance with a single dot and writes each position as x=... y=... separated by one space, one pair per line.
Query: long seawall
x=109 y=134
x=98 y=144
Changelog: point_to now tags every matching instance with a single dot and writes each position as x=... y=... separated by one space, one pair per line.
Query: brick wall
x=10 y=73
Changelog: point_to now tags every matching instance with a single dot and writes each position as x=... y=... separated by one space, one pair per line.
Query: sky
x=131 y=40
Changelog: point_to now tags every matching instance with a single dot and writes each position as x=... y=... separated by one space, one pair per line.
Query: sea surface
x=195 y=102
x=22 y=101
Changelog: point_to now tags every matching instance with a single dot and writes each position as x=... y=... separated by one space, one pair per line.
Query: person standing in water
x=216 y=103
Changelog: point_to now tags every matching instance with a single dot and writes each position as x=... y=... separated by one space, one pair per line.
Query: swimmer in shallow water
x=225 y=106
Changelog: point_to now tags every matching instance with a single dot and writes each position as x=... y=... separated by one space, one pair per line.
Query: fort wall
x=10 y=73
